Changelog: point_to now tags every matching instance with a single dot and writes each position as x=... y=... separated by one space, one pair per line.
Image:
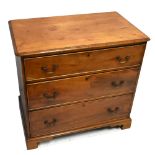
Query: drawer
x=79 y=115
x=82 y=62
x=81 y=88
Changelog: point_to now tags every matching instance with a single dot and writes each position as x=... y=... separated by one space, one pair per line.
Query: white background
x=139 y=139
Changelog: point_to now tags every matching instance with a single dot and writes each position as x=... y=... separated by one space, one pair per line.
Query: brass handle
x=46 y=70
x=113 y=110
x=50 y=123
x=51 y=96
x=121 y=60
x=117 y=83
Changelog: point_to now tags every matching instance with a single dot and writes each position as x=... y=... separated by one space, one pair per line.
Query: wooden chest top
x=71 y=33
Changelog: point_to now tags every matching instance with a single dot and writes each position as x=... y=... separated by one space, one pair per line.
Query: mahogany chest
x=76 y=73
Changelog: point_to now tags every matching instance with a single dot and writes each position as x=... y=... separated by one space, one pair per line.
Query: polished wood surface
x=62 y=91
x=74 y=116
x=78 y=63
x=76 y=73
x=45 y=35
x=23 y=96
x=124 y=123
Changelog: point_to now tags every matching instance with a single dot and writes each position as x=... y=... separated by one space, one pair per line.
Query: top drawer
x=82 y=62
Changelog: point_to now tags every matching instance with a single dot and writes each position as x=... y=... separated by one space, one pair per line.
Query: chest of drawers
x=76 y=73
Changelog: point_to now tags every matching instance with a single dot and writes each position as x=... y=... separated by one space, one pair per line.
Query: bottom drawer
x=79 y=115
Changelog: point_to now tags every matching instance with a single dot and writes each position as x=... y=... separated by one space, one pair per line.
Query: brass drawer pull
x=51 y=96
x=50 y=123
x=113 y=110
x=45 y=69
x=117 y=84
x=121 y=60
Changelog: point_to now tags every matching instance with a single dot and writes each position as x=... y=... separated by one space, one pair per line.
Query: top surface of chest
x=66 y=33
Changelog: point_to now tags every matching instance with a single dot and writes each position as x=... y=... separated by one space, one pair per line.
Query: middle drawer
x=80 y=88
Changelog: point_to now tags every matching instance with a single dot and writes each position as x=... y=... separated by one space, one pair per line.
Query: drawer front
x=81 y=88
x=68 y=64
x=79 y=115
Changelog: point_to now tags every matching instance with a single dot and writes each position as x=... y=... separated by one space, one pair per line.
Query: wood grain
x=74 y=116
x=124 y=123
x=23 y=95
x=48 y=35
x=67 y=90
x=43 y=68
x=76 y=73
